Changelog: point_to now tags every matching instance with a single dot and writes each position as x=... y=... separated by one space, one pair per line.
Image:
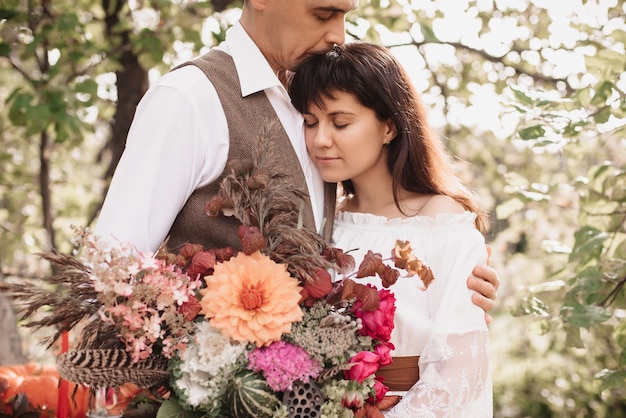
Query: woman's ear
x=391 y=131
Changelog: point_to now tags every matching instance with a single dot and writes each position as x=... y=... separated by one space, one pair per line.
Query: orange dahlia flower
x=251 y=298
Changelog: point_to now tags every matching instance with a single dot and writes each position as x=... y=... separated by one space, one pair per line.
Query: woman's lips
x=326 y=160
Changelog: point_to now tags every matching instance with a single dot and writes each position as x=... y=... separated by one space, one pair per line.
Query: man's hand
x=485 y=282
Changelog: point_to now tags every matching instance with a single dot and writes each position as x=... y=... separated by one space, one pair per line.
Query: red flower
x=364 y=364
x=384 y=352
x=380 y=390
x=378 y=324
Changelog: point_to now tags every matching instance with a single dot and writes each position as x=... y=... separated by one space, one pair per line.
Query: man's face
x=295 y=29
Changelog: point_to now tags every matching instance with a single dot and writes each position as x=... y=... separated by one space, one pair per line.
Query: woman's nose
x=322 y=136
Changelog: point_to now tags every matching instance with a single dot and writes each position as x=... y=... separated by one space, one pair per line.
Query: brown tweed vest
x=245 y=116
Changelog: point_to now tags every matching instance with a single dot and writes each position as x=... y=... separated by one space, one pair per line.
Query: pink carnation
x=282 y=364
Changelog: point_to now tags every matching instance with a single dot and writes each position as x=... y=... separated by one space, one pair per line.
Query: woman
x=365 y=127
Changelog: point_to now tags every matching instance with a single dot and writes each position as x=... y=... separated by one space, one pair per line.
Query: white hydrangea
x=206 y=367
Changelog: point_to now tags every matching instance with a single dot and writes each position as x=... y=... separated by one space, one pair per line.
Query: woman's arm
x=455 y=379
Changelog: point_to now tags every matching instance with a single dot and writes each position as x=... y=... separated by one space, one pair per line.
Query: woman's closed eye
x=310 y=122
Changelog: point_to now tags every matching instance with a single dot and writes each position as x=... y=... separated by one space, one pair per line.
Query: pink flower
x=384 y=352
x=364 y=364
x=283 y=363
x=378 y=324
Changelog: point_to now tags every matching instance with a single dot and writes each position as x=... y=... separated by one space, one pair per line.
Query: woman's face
x=346 y=140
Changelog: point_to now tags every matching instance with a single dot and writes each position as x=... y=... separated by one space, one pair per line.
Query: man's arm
x=177 y=142
x=485 y=282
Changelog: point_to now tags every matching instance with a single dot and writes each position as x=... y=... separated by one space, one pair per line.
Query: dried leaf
x=367 y=295
x=370 y=299
x=401 y=253
x=320 y=287
x=388 y=401
x=201 y=263
x=344 y=261
x=388 y=275
x=427 y=276
x=372 y=411
x=189 y=250
x=191 y=308
x=371 y=264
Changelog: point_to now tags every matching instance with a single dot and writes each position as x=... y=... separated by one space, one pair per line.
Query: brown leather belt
x=401 y=374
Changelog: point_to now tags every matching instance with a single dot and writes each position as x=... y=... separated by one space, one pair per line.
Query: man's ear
x=258 y=4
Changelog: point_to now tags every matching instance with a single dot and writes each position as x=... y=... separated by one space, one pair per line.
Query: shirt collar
x=255 y=73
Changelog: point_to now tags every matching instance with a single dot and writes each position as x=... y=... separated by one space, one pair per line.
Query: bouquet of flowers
x=260 y=332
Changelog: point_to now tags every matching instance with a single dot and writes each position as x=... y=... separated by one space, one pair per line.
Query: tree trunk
x=10 y=343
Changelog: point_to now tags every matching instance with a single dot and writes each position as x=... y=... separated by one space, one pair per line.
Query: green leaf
x=7 y=14
x=507 y=208
x=172 y=409
x=17 y=111
x=584 y=316
x=588 y=281
x=603 y=93
x=429 y=34
x=583 y=96
x=612 y=379
x=606 y=63
x=620 y=333
x=532 y=132
x=572 y=337
x=522 y=96
x=532 y=305
x=38 y=118
x=5 y=49
x=534 y=196
x=603 y=115
x=589 y=243
x=622 y=358
x=574 y=128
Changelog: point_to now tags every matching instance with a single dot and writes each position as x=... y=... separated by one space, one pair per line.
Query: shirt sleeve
x=178 y=141
x=455 y=377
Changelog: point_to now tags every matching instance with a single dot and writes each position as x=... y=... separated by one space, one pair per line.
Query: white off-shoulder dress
x=440 y=324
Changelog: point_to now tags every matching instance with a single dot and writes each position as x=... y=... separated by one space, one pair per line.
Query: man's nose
x=336 y=34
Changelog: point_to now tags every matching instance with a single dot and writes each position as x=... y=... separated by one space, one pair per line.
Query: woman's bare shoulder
x=437 y=204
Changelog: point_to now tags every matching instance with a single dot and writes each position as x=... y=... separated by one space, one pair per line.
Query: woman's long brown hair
x=416 y=158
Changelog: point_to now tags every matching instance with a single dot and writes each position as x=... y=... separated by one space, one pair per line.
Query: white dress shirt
x=179 y=140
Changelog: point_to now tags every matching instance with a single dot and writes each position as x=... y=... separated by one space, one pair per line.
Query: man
x=199 y=116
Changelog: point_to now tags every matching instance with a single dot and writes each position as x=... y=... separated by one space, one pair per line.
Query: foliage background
x=530 y=98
